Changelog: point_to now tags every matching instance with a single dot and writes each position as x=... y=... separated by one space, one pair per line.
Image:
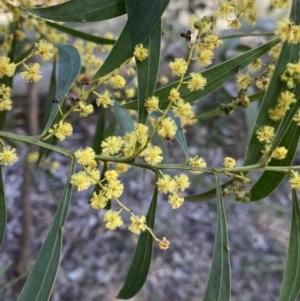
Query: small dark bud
x=186 y=35
x=85 y=81
x=55 y=100
x=73 y=100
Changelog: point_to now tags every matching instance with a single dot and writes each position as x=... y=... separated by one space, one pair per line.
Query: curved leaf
x=290 y=286
x=80 y=34
x=142 y=19
x=36 y=141
x=41 y=279
x=3 y=213
x=100 y=130
x=103 y=133
x=80 y=11
x=69 y=65
x=124 y=119
x=147 y=71
x=180 y=136
x=218 y=286
x=215 y=76
x=43 y=152
x=140 y=264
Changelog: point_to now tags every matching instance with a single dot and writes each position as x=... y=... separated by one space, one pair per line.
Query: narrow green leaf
x=289 y=53
x=147 y=71
x=3 y=214
x=43 y=153
x=215 y=76
x=50 y=94
x=80 y=34
x=41 y=279
x=80 y=11
x=218 y=286
x=36 y=141
x=123 y=118
x=69 y=65
x=140 y=264
x=205 y=196
x=142 y=19
x=100 y=130
x=180 y=136
x=290 y=286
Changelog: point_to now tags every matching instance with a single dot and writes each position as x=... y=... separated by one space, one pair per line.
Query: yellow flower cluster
x=84 y=109
x=196 y=162
x=166 y=184
x=113 y=189
x=294 y=179
x=167 y=128
x=31 y=73
x=6 y=68
x=287 y=31
x=281 y=4
x=233 y=10
x=104 y=100
x=286 y=99
x=118 y=81
x=243 y=80
x=112 y=219
x=62 y=130
x=197 y=82
x=140 y=52
x=229 y=162
x=265 y=134
x=178 y=67
x=152 y=104
x=279 y=153
x=5 y=101
x=44 y=49
x=8 y=155
x=86 y=157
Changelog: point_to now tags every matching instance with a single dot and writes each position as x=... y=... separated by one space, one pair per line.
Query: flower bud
x=290 y=84
x=198 y=24
x=206 y=19
x=296 y=78
x=222 y=107
x=247 y=197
